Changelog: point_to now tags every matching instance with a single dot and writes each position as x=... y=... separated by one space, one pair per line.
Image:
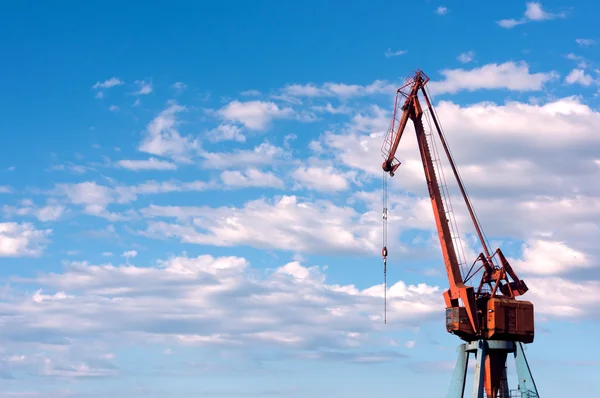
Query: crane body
x=487 y=317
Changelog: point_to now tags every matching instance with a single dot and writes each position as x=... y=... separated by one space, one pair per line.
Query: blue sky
x=191 y=193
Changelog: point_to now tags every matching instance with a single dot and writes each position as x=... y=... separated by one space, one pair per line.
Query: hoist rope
x=384 y=249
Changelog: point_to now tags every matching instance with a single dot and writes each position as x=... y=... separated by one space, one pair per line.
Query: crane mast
x=483 y=316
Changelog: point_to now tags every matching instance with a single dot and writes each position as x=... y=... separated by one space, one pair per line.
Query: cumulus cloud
x=533 y=12
x=514 y=76
x=112 y=82
x=579 y=76
x=467 y=57
x=581 y=62
x=535 y=131
x=389 y=53
x=144 y=87
x=22 y=240
x=50 y=212
x=339 y=90
x=334 y=110
x=95 y=198
x=547 y=257
x=321 y=178
x=585 y=42
x=163 y=139
x=263 y=154
x=441 y=10
x=254 y=115
x=508 y=75
x=179 y=86
x=185 y=300
x=251 y=177
x=226 y=132
x=283 y=223
x=148 y=164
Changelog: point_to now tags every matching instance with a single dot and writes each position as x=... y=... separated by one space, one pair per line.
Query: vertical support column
x=504 y=392
x=479 y=373
x=457 y=387
x=526 y=382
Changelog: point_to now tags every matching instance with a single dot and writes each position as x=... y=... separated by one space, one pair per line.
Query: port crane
x=486 y=316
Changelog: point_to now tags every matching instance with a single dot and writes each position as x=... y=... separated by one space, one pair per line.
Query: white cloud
x=513 y=76
x=226 y=132
x=112 y=82
x=129 y=254
x=22 y=240
x=251 y=178
x=285 y=223
x=96 y=198
x=509 y=23
x=131 y=303
x=147 y=164
x=263 y=154
x=321 y=178
x=328 y=108
x=581 y=62
x=145 y=87
x=179 y=86
x=99 y=95
x=568 y=299
x=580 y=77
x=467 y=57
x=254 y=115
x=163 y=139
x=5 y=189
x=441 y=10
x=533 y=12
x=389 y=53
x=50 y=212
x=508 y=75
x=113 y=108
x=534 y=135
x=545 y=257
x=339 y=90
x=585 y=42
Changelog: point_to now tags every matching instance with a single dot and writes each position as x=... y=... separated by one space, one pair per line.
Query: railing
x=522 y=394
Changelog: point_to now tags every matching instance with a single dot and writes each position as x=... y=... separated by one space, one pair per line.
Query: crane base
x=481 y=348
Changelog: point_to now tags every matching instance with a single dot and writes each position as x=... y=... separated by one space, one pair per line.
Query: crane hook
x=384 y=253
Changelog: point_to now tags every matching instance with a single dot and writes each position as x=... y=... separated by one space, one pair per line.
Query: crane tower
x=487 y=317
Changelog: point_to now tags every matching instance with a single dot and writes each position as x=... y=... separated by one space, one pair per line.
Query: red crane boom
x=491 y=312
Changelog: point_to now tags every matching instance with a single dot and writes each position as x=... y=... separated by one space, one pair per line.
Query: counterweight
x=491 y=312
